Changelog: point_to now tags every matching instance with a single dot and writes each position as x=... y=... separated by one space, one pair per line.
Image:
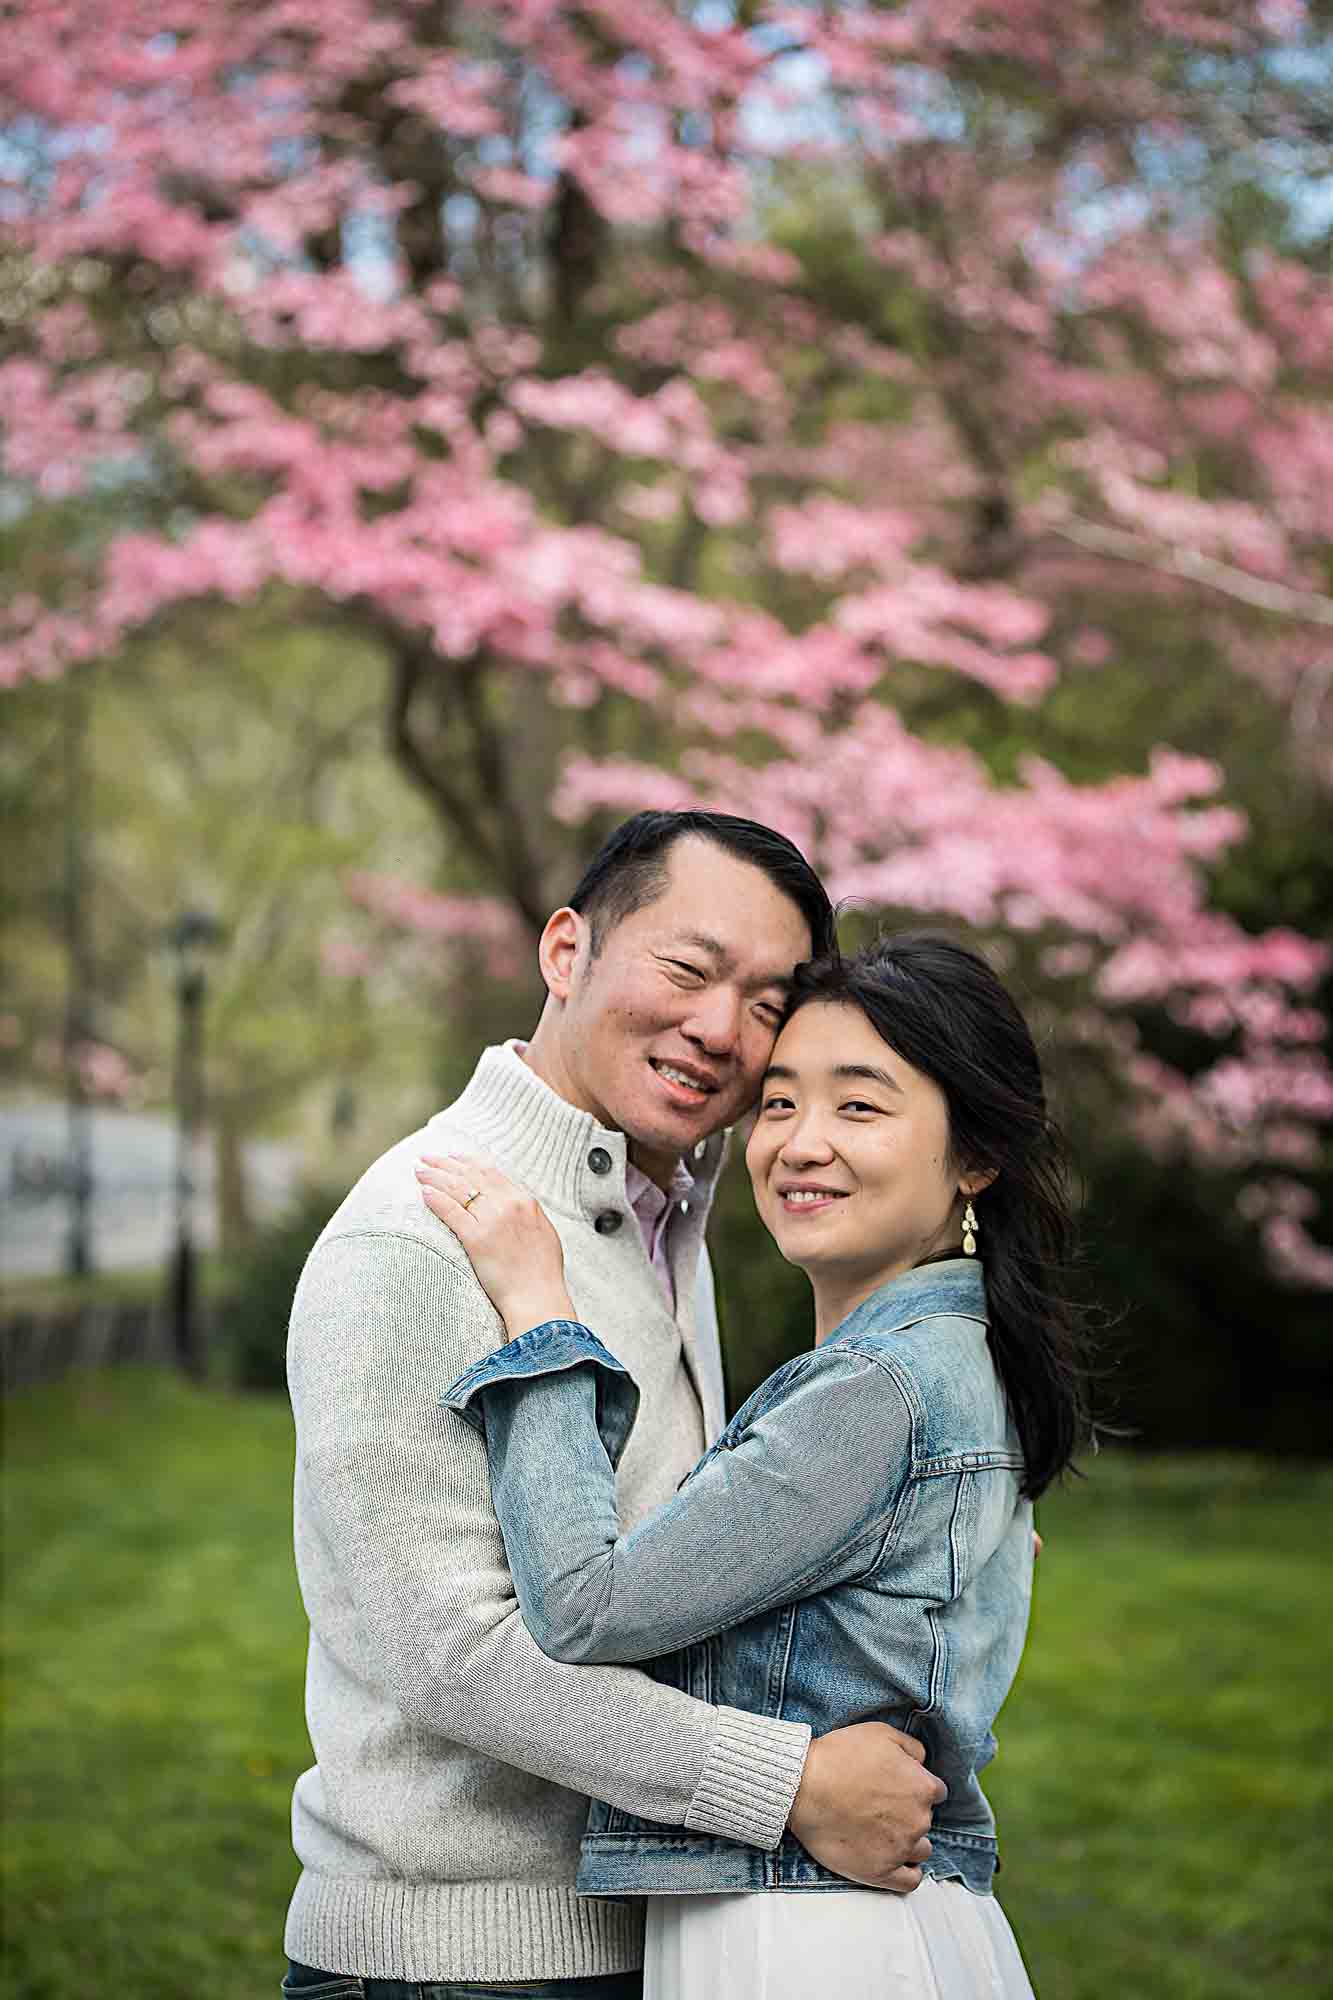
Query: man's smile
x=685 y=1080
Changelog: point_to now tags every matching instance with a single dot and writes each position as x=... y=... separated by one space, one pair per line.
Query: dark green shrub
x=252 y=1321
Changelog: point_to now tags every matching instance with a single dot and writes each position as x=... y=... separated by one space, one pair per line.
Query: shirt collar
x=647 y=1198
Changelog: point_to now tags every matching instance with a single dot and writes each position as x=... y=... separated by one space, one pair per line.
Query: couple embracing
x=540 y=1570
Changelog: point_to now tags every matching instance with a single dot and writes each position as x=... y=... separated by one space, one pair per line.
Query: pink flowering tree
x=771 y=405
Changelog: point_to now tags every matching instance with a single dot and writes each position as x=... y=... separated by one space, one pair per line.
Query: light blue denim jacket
x=854 y=1547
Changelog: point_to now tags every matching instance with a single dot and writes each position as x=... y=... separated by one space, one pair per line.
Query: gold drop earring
x=971 y=1231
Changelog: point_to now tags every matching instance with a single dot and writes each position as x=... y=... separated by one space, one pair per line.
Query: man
x=439 y=1829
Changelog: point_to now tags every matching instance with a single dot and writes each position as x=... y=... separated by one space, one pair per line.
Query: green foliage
x=154 y=1654
x=153 y=1657
x=1202 y=1348
x=763 y=1302
x=1174 y=1598
x=260 y=1285
x=234 y=765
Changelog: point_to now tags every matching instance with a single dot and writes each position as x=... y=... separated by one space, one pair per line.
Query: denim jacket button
x=608 y=1222
x=600 y=1160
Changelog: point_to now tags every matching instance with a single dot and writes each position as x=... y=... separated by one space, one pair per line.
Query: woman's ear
x=972 y=1184
x=564 y=935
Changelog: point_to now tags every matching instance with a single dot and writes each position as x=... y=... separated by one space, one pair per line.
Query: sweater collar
x=563 y=1155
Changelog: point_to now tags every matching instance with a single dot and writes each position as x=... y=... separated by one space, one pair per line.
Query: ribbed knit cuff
x=750 y=1778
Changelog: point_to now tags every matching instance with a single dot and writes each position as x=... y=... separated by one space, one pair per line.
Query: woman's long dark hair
x=944 y=1011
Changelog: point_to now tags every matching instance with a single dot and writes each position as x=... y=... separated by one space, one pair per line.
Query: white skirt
x=939 y=1943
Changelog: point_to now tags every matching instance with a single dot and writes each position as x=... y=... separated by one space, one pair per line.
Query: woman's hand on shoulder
x=514 y=1248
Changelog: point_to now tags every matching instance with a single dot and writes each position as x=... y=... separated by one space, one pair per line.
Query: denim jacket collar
x=955 y=1285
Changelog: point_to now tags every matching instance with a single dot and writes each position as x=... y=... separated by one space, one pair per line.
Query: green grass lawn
x=1163 y=1784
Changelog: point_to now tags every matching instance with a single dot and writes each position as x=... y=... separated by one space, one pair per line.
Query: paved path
x=133 y=1160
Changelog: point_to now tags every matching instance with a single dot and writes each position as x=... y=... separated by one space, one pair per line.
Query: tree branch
x=1308 y=606
x=518 y=869
x=484 y=813
x=409 y=666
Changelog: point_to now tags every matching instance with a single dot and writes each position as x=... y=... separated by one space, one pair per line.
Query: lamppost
x=193 y=934
x=78 y=1179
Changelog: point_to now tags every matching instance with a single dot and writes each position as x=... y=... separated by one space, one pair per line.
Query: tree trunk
x=236 y=1223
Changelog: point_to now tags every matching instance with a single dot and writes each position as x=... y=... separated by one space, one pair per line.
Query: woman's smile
x=808 y=1198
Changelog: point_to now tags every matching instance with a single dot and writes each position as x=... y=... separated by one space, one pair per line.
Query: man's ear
x=564 y=943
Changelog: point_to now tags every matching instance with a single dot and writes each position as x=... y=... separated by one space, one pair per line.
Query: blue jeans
x=303 y=1982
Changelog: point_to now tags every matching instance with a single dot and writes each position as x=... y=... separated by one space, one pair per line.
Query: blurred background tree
x=243 y=775
x=909 y=425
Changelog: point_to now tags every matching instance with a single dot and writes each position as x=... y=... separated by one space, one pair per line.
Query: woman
x=858 y=1543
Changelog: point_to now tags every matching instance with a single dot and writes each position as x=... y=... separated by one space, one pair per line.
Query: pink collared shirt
x=653 y=1211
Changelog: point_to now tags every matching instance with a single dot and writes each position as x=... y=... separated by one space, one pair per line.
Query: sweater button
x=600 y=1160
x=607 y=1223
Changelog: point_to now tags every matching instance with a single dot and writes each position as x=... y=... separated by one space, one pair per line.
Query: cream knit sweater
x=439 y=1829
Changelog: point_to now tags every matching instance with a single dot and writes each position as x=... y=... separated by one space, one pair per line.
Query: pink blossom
x=105 y=1072
x=485 y=921
x=770 y=510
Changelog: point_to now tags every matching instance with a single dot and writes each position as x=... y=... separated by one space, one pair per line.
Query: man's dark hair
x=631 y=869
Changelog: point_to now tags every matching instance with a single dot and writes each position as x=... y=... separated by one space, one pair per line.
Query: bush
x=259 y=1288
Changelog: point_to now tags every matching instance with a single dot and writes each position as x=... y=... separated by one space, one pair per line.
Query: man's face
x=666 y=1033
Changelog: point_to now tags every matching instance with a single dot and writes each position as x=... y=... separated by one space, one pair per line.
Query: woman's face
x=849 y=1155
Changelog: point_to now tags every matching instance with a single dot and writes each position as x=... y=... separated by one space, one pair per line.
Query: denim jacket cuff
x=553 y=1348
x=750 y=1778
